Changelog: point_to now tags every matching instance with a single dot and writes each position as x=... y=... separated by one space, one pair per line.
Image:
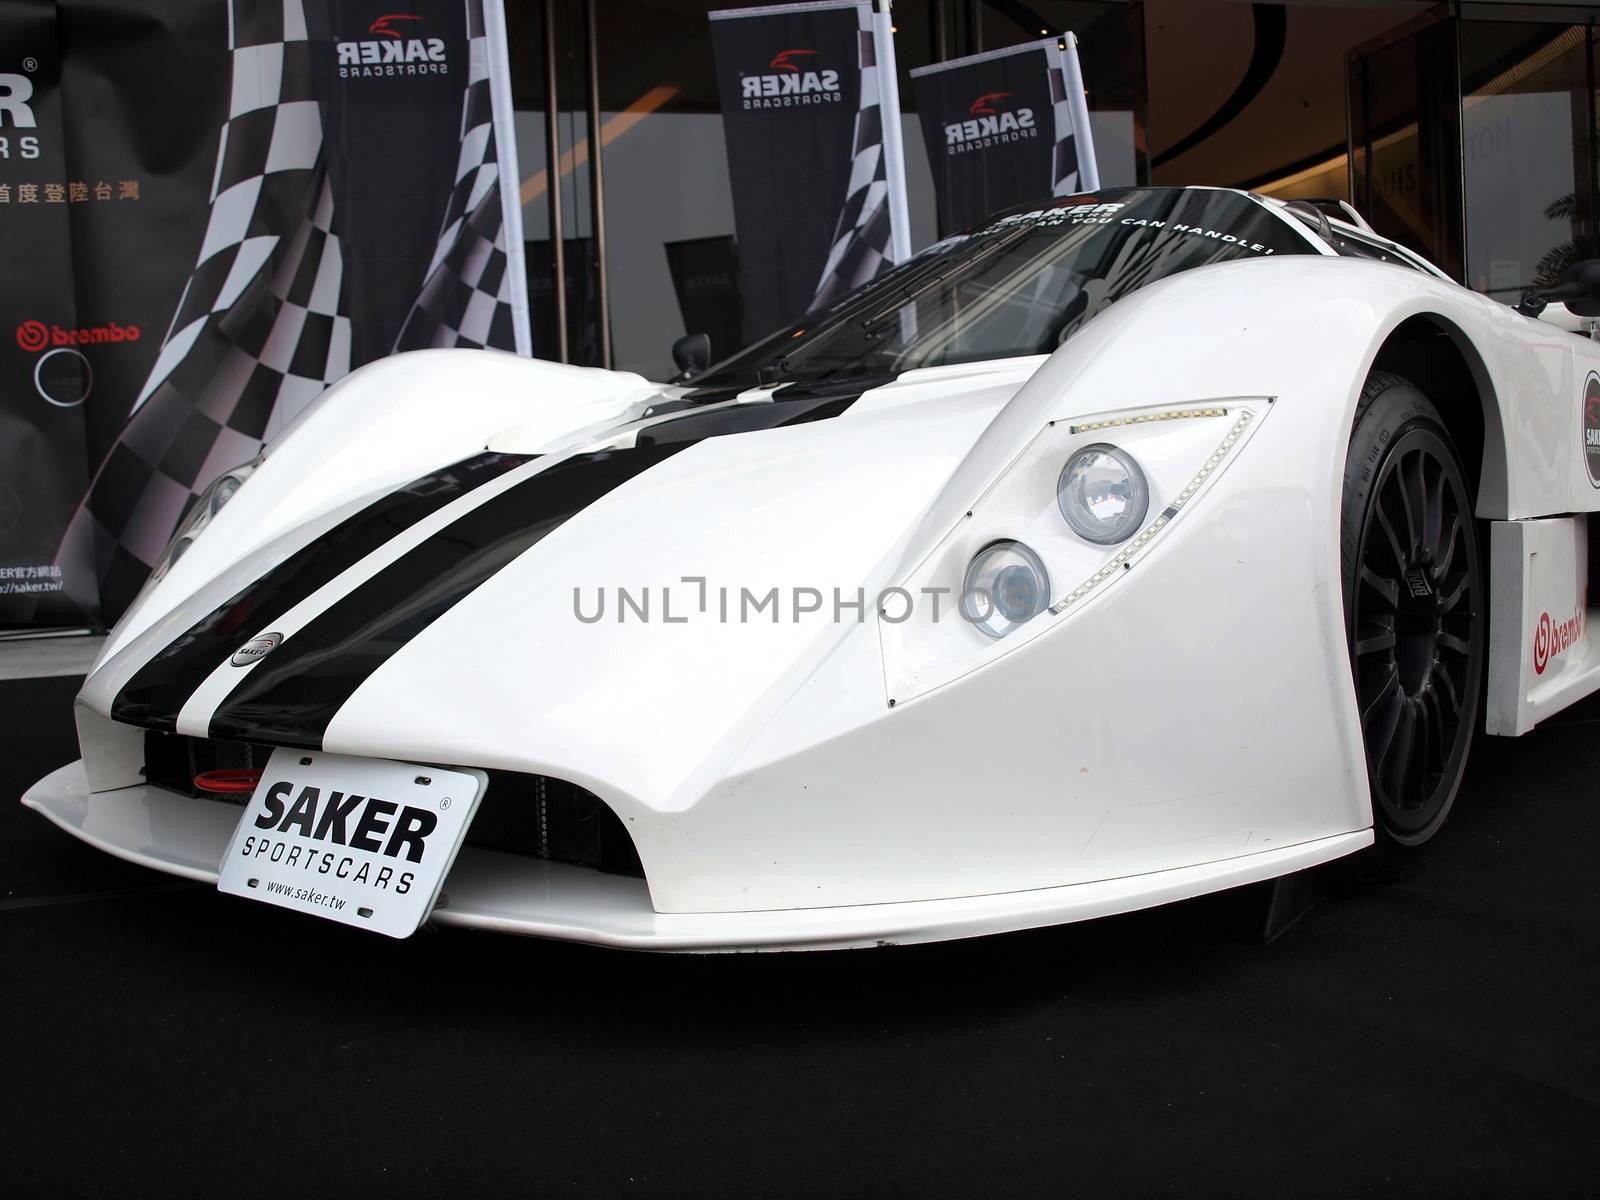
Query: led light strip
x=1170 y=513
x=1176 y=414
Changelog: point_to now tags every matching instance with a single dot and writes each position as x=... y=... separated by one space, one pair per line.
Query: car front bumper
x=511 y=894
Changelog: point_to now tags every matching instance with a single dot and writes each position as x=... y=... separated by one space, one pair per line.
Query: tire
x=1415 y=606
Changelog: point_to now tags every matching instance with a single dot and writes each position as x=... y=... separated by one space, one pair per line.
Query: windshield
x=1021 y=284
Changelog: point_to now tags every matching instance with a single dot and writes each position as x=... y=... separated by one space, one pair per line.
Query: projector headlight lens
x=1006 y=587
x=1103 y=494
x=209 y=504
x=223 y=491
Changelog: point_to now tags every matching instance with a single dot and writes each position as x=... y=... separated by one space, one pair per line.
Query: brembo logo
x=989 y=125
x=36 y=335
x=1552 y=639
x=392 y=51
x=256 y=649
x=792 y=81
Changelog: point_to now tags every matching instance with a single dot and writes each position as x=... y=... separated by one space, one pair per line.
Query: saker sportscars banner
x=810 y=111
x=260 y=195
x=1005 y=128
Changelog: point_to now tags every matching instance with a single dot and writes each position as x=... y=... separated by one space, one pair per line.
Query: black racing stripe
x=158 y=690
x=292 y=695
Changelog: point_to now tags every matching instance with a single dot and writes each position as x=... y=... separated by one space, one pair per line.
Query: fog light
x=1006 y=586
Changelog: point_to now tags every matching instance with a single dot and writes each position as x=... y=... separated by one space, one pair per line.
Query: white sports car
x=1132 y=547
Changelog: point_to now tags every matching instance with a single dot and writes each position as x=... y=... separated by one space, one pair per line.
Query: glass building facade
x=1466 y=130
x=1473 y=138
x=632 y=244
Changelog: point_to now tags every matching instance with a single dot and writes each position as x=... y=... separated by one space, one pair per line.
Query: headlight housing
x=1103 y=494
x=1075 y=510
x=207 y=505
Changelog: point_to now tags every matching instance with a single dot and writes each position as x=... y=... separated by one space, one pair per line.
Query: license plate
x=364 y=841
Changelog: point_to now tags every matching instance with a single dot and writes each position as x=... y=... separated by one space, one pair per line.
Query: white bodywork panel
x=379 y=428
x=1541 y=658
x=1189 y=725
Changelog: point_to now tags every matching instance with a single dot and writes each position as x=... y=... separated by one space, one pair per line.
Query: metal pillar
x=597 y=187
x=558 y=262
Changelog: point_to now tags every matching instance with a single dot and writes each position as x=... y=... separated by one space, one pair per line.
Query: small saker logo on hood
x=256 y=649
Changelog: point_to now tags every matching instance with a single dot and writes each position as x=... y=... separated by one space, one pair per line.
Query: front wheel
x=1414 y=606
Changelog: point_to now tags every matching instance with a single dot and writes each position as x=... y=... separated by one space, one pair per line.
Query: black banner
x=583 y=304
x=387 y=113
x=261 y=195
x=43 y=377
x=799 y=91
x=705 y=274
x=999 y=130
x=96 y=245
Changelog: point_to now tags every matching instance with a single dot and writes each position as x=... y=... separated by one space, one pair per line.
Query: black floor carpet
x=1432 y=1037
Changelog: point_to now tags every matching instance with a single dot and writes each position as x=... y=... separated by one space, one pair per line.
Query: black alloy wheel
x=1415 y=606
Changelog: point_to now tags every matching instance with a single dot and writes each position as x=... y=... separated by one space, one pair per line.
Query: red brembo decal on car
x=1551 y=640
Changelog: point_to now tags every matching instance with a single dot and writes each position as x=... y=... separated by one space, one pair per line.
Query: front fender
x=1307 y=331
x=1198 y=709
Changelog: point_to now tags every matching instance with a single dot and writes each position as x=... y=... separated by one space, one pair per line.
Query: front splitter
x=509 y=893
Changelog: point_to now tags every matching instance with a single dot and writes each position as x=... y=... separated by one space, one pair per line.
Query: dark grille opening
x=172 y=761
x=551 y=818
x=532 y=815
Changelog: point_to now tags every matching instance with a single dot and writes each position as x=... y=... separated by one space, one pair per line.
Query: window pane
x=1525 y=135
x=1406 y=151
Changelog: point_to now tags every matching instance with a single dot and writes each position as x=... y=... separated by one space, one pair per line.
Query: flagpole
x=1078 y=105
x=894 y=153
x=503 y=110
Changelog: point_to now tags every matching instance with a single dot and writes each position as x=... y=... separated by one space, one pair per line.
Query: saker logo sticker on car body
x=1591 y=427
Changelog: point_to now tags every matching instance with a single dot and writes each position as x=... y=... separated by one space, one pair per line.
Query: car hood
x=541 y=608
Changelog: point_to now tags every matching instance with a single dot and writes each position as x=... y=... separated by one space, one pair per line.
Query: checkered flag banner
x=260 y=329
x=1073 y=164
x=861 y=238
x=264 y=323
x=473 y=294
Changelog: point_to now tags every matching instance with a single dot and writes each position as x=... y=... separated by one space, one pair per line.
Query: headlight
x=222 y=491
x=1006 y=587
x=1103 y=494
x=1062 y=521
x=207 y=505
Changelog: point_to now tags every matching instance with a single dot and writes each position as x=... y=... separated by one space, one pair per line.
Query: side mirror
x=692 y=353
x=1579 y=290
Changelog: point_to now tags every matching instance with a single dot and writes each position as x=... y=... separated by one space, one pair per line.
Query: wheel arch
x=1436 y=355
